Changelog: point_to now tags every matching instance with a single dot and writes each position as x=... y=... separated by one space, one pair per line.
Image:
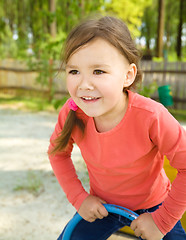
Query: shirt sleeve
x=63 y=166
x=170 y=138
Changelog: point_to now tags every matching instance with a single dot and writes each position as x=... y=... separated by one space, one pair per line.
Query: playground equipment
x=110 y=208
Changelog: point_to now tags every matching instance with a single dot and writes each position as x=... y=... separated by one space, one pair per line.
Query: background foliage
x=34 y=31
x=25 y=25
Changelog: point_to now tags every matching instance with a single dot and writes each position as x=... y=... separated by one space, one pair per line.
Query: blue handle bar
x=109 y=207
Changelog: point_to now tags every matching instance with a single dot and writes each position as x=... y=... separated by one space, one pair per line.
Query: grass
x=32 y=183
x=180 y=115
x=25 y=103
x=30 y=103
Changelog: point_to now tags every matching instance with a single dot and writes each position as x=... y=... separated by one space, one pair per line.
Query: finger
x=133 y=225
x=142 y=237
x=91 y=219
x=98 y=214
x=137 y=232
x=103 y=211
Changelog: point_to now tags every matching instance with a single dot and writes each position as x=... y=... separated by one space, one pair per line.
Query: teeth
x=89 y=98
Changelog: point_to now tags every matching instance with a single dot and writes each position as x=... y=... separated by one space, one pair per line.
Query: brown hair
x=114 y=31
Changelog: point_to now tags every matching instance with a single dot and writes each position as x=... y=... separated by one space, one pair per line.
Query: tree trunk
x=179 y=35
x=148 y=29
x=52 y=9
x=168 y=25
x=160 y=28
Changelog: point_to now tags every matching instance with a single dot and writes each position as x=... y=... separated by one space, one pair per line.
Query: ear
x=130 y=76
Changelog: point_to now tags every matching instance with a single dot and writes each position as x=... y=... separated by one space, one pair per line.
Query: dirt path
x=33 y=207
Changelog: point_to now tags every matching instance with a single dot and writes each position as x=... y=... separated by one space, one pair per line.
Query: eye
x=98 y=72
x=74 y=72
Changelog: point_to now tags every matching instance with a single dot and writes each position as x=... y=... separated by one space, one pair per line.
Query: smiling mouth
x=90 y=99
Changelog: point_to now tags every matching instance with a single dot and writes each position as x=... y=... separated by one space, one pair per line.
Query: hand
x=145 y=227
x=92 y=208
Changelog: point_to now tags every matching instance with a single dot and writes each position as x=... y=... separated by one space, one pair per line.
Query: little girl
x=123 y=138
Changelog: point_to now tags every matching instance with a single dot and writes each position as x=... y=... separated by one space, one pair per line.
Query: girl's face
x=96 y=75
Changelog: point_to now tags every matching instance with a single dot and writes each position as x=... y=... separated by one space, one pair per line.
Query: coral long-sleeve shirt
x=125 y=164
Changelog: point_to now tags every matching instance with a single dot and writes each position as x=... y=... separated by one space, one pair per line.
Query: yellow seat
x=171 y=173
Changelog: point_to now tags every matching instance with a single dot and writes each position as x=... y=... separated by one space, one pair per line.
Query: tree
x=39 y=22
x=52 y=10
x=130 y=11
x=161 y=16
x=171 y=23
x=149 y=25
x=180 y=25
x=70 y=12
x=2 y=23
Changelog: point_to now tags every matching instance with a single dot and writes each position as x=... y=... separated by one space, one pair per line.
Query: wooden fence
x=16 y=77
x=167 y=73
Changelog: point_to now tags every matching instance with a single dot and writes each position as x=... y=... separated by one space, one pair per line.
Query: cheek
x=71 y=86
x=113 y=87
x=109 y=94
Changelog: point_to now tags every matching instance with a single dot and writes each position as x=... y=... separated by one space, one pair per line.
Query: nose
x=86 y=83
